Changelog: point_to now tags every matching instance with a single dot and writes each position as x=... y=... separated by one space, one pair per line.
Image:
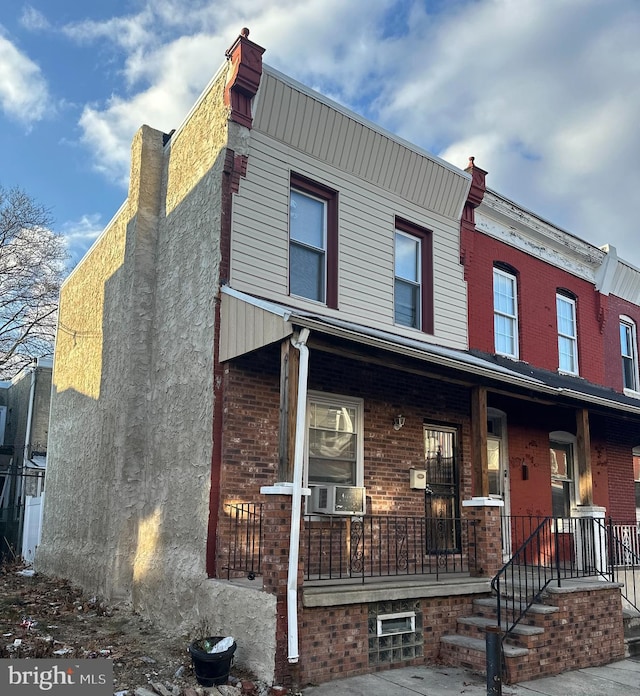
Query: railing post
x=593 y=516
x=493 y=639
x=486 y=558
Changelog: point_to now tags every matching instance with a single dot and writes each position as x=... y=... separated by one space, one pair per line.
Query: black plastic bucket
x=211 y=668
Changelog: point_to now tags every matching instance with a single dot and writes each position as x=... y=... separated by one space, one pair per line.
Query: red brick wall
x=537 y=285
x=250 y=431
x=335 y=640
x=612 y=353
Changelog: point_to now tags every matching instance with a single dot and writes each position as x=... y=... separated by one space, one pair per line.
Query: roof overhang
x=249 y=323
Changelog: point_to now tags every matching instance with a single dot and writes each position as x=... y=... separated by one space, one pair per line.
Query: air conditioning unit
x=338 y=500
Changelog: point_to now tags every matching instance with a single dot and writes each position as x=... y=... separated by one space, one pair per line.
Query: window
x=334 y=442
x=313 y=241
x=628 y=349
x=636 y=478
x=567 y=334
x=505 y=313
x=562 y=484
x=413 y=277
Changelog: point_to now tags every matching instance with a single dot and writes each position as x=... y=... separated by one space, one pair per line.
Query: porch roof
x=249 y=323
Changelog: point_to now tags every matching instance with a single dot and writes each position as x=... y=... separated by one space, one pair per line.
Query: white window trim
x=337 y=399
x=627 y=321
x=417 y=283
x=573 y=338
x=514 y=317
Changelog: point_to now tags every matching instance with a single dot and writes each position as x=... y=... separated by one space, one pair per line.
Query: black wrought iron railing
x=546 y=549
x=243 y=539
x=623 y=558
x=376 y=546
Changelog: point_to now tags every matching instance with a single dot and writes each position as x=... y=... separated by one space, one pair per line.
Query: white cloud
x=544 y=94
x=24 y=95
x=33 y=19
x=80 y=234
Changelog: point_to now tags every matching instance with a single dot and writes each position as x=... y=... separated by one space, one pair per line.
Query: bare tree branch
x=32 y=267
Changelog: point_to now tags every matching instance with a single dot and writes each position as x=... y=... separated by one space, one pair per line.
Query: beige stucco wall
x=130 y=452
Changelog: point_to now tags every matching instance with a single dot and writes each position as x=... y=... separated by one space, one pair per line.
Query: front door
x=441 y=498
x=497 y=463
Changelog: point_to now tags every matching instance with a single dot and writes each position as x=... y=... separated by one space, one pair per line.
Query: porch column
x=479 y=464
x=583 y=454
x=289 y=370
x=276 y=529
x=485 y=536
x=591 y=539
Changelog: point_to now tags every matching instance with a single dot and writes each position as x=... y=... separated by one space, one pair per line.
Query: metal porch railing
x=547 y=549
x=377 y=546
x=623 y=557
x=244 y=539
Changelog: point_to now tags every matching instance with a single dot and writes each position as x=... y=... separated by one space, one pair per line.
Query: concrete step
x=481 y=623
x=479 y=645
x=536 y=608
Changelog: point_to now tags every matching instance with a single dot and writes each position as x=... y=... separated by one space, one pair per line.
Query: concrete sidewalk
x=612 y=680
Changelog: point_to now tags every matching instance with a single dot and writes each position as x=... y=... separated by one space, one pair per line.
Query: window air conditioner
x=338 y=500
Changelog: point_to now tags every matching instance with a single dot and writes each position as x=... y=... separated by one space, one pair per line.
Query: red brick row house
x=314 y=387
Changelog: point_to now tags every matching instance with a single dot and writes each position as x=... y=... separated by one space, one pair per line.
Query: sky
x=545 y=94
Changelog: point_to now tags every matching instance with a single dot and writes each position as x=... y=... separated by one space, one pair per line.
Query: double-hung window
x=313 y=241
x=629 y=351
x=505 y=313
x=334 y=440
x=413 y=277
x=567 y=334
x=636 y=478
x=562 y=482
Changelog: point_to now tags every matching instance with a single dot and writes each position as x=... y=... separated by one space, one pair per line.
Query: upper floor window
x=505 y=313
x=629 y=351
x=313 y=241
x=567 y=334
x=413 y=284
x=334 y=442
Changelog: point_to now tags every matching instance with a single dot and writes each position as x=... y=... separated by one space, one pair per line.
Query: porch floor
x=327 y=593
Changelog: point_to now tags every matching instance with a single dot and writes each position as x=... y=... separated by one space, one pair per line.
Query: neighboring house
x=24 y=427
x=279 y=408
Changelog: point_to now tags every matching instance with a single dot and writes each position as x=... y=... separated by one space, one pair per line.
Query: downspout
x=300 y=343
x=27 y=435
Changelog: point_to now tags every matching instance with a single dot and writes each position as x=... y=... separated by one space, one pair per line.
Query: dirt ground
x=43 y=617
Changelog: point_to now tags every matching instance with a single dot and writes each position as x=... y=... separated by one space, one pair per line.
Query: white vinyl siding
x=567 y=335
x=366 y=222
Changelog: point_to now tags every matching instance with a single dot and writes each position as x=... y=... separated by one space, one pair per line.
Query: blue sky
x=544 y=93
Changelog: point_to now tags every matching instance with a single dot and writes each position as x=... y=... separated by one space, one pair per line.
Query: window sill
x=631 y=393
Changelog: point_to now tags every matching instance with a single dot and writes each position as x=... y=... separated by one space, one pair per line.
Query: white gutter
x=298 y=341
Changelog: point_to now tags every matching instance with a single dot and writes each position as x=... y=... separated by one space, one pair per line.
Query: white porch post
x=592 y=534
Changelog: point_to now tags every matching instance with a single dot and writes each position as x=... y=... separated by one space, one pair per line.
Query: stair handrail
x=543 y=577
